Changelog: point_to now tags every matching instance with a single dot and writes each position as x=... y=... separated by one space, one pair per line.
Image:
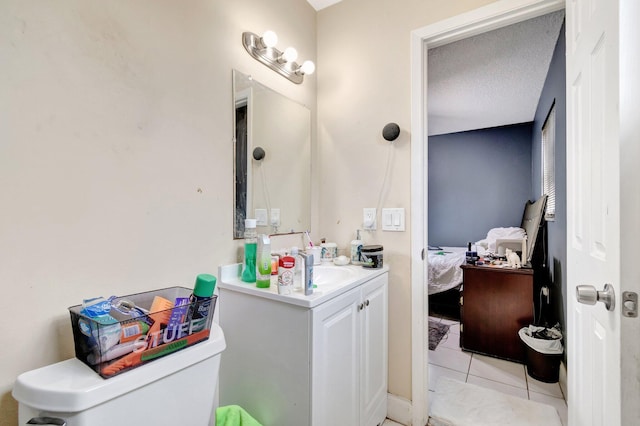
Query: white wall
x=116 y=163
x=363 y=84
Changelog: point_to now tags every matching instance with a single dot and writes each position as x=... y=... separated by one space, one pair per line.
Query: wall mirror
x=272 y=154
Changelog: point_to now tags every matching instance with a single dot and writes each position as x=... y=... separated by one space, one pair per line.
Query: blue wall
x=554 y=90
x=478 y=180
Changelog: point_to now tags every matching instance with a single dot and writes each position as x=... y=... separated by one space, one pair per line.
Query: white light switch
x=393 y=219
x=387 y=218
x=396 y=218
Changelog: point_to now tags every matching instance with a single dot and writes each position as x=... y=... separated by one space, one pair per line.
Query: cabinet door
x=374 y=337
x=335 y=361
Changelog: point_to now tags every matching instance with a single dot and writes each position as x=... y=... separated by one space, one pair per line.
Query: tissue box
x=140 y=328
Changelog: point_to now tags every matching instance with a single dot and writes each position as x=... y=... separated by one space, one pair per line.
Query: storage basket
x=140 y=328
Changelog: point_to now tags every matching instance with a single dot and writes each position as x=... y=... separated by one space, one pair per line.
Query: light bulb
x=290 y=54
x=307 y=67
x=269 y=38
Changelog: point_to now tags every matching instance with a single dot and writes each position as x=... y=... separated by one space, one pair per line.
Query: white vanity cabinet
x=320 y=364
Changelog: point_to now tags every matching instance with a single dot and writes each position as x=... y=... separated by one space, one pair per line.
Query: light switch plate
x=393 y=219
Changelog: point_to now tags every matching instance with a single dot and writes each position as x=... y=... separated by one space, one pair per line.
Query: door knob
x=588 y=295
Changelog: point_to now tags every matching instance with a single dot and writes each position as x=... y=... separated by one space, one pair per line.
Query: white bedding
x=444 y=268
x=444 y=265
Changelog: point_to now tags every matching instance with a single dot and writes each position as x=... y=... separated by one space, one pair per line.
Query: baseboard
x=399 y=409
x=563 y=380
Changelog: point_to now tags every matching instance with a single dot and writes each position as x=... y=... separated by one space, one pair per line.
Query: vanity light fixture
x=284 y=63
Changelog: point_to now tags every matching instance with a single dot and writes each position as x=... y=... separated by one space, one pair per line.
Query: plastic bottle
x=356 y=247
x=297 y=274
x=275 y=260
x=201 y=301
x=133 y=330
x=286 y=271
x=263 y=278
x=250 y=250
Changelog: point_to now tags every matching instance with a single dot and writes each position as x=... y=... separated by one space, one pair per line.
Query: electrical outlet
x=545 y=292
x=369 y=218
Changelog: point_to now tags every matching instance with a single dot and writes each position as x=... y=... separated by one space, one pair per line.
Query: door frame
x=490 y=17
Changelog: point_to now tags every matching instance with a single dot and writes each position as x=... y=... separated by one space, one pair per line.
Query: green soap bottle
x=250 y=251
x=263 y=278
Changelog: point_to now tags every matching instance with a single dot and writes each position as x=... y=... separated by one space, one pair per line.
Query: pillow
x=494 y=234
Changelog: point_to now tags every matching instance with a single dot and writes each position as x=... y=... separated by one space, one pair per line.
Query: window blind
x=548 y=163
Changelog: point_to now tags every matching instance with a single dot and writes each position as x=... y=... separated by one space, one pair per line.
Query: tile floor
x=504 y=376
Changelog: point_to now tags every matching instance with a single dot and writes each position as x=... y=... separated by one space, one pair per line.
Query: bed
x=444 y=270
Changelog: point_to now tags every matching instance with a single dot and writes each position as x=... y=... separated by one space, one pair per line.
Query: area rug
x=463 y=404
x=437 y=331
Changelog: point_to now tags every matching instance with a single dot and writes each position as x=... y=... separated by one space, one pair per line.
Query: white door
x=596 y=224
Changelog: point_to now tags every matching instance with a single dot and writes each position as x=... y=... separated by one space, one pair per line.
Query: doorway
x=473 y=23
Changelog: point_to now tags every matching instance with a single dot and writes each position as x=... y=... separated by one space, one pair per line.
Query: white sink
x=330 y=275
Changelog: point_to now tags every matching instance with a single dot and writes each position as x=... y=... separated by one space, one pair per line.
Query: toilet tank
x=177 y=389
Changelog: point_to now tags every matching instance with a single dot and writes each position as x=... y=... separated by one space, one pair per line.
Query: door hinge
x=629 y=304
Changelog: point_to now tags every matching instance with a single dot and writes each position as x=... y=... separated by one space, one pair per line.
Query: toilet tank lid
x=72 y=386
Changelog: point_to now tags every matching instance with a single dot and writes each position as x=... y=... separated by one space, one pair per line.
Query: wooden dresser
x=495 y=304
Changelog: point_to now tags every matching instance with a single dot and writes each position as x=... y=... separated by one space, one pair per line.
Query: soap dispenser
x=263 y=276
x=356 y=247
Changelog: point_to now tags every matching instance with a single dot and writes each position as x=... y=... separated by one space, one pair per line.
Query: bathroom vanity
x=307 y=360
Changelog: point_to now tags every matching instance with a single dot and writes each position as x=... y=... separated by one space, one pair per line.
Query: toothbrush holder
x=317 y=254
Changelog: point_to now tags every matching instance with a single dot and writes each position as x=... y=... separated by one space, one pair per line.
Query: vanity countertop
x=333 y=281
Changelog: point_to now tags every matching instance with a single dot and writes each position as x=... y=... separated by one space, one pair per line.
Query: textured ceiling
x=492 y=79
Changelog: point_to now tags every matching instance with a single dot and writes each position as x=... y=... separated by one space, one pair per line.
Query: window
x=549 y=163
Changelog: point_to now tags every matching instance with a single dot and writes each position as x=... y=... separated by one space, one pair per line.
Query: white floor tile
x=498 y=370
x=559 y=403
x=451 y=341
x=454 y=326
x=388 y=422
x=454 y=359
x=551 y=389
x=436 y=372
x=497 y=386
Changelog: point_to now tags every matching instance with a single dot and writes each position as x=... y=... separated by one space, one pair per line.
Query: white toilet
x=178 y=389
